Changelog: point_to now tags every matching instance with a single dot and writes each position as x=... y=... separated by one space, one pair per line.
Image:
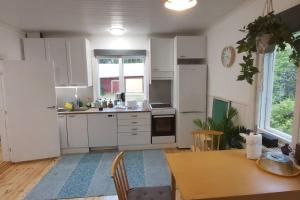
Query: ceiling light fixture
x=180 y=5
x=117 y=30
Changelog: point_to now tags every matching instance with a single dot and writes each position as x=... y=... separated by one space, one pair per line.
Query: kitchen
x=126 y=125
x=106 y=85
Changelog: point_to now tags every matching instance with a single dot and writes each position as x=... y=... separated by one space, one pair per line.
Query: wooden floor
x=16 y=180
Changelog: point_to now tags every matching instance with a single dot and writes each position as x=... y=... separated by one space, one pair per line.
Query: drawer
x=134 y=138
x=130 y=129
x=134 y=122
x=137 y=115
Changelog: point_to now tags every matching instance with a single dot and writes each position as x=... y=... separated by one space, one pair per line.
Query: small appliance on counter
x=120 y=99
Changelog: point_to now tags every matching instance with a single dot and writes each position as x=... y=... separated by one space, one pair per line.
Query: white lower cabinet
x=62 y=124
x=102 y=130
x=134 y=128
x=134 y=138
x=77 y=131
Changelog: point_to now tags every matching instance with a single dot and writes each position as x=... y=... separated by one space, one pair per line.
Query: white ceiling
x=96 y=16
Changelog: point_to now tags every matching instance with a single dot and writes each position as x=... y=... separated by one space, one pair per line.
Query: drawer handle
x=133 y=133
x=71 y=116
x=133 y=115
x=110 y=115
x=134 y=122
x=134 y=129
x=61 y=116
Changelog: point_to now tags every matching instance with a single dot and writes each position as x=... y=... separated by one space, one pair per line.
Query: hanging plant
x=263 y=34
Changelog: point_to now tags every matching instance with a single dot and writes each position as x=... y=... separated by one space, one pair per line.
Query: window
x=121 y=74
x=278 y=96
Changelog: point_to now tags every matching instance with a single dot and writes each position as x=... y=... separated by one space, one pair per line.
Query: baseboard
x=147 y=146
x=75 y=150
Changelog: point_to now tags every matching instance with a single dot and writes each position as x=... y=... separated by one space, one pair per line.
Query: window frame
x=266 y=99
x=121 y=73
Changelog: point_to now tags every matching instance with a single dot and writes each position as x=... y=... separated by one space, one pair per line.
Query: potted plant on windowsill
x=262 y=36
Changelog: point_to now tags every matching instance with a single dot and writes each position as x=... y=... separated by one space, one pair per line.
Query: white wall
x=222 y=81
x=10 y=43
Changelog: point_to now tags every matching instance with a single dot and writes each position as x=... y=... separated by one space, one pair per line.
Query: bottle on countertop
x=104 y=103
x=110 y=104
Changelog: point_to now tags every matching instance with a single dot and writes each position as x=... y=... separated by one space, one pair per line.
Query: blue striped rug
x=88 y=175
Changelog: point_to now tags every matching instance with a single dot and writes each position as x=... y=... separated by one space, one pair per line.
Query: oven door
x=163 y=125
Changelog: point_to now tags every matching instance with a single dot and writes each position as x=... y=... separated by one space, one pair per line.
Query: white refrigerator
x=28 y=117
x=191 y=101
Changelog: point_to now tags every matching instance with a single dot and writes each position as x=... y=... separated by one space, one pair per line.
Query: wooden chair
x=118 y=174
x=204 y=140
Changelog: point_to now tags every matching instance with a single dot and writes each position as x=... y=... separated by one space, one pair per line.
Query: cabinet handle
x=61 y=116
x=133 y=133
x=134 y=129
x=72 y=116
x=133 y=115
x=110 y=115
x=134 y=122
x=51 y=107
x=182 y=56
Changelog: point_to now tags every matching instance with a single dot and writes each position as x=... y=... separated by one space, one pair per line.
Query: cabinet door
x=162 y=54
x=78 y=62
x=77 y=131
x=62 y=124
x=102 y=130
x=57 y=53
x=191 y=47
x=34 y=49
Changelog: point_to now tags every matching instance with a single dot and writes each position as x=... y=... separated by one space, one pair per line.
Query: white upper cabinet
x=34 y=49
x=190 y=46
x=162 y=58
x=79 y=62
x=71 y=58
x=57 y=52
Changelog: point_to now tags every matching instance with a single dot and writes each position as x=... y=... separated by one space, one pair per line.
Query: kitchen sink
x=81 y=109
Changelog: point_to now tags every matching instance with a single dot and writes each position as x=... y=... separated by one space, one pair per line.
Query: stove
x=162 y=109
x=163 y=123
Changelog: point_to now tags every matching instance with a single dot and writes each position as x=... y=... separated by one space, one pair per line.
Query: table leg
x=173 y=187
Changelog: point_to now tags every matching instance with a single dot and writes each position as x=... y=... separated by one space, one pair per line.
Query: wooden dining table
x=227 y=175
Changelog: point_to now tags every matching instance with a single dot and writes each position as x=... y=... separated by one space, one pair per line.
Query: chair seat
x=150 y=193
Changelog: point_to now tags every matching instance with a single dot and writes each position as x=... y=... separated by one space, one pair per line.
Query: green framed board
x=220 y=109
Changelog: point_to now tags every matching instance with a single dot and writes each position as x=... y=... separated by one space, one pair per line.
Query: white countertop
x=105 y=110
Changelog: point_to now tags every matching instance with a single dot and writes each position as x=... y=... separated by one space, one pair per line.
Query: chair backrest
x=204 y=140
x=118 y=173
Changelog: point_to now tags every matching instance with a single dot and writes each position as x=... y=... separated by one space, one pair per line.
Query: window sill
x=280 y=138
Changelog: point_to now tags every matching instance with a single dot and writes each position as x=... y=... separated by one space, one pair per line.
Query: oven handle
x=162 y=116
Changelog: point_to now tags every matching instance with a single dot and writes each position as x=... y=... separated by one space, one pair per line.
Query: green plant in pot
x=231 y=137
x=262 y=36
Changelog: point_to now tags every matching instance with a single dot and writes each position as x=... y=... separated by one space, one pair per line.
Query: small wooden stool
x=203 y=137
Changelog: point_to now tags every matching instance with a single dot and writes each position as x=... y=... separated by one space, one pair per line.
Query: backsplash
x=160 y=91
x=68 y=95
